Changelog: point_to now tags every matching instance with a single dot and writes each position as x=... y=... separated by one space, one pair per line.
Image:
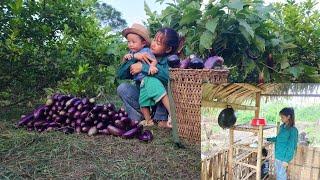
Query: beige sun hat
x=138 y=29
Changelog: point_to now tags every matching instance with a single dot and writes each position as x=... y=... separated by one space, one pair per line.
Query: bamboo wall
x=215 y=168
x=305 y=165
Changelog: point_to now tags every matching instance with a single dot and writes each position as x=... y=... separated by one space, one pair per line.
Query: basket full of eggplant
x=71 y=114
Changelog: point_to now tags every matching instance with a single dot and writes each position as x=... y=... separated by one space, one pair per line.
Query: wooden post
x=258 y=98
x=259 y=154
x=230 y=159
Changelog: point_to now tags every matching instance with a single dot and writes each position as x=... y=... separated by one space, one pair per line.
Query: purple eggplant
x=212 y=62
x=84 y=114
x=173 y=61
x=73 y=124
x=196 y=63
x=132 y=133
x=67 y=130
x=93 y=116
x=111 y=113
x=134 y=123
x=59 y=108
x=100 y=125
x=83 y=124
x=97 y=108
x=71 y=102
x=85 y=129
x=38 y=124
x=49 y=102
x=85 y=101
x=62 y=113
x=92 y=131
x=119 y=124
x=77 y=103
x=78 y=129
x=78 y=122
x=104 y=117
x=80 y=107
x=184 y=64
x=72 y=110
x=25 y=120
x=92 y=100
x=146 y=136
x=115 y=131
x=87 y=119
x=104 y=131
x=39 y=112
x=49 y=129
x=48 y=118
x=55 y=96
x=122 y=110
x=30 y=124
x=111 y=107
x=77 y=114
x=68 y=121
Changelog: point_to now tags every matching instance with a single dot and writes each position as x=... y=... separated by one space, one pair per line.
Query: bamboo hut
x=305 y=165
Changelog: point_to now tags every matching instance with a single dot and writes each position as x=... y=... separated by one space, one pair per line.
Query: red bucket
x=258 y=122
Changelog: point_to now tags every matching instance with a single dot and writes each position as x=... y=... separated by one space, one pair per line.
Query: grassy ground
x=53 y=155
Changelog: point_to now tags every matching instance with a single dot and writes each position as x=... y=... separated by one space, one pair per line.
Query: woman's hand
x=143 y=57
x=285 y=164
x=135 y=68
x=153 y=70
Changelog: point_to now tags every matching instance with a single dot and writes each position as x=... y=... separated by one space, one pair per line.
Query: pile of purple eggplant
x=71 y=114
x=193 y=62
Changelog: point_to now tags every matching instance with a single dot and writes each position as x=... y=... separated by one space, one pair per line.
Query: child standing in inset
x=285 y=143
x=152 y=90
x=265 y=164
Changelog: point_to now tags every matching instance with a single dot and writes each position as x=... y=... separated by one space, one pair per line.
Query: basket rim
x=200 y=70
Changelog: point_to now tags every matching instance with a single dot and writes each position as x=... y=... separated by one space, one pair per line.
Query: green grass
x=54 y=155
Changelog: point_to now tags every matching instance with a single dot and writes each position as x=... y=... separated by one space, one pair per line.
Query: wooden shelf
x=249 y=128
x=243 y=152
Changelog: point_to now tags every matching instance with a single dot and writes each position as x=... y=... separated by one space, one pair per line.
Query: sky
x=133 y=11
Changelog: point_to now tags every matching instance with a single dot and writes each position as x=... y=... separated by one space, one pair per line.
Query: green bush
x=254 y=39
x=57 y=45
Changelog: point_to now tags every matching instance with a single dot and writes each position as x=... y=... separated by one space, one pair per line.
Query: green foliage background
x=55 y=46
x=239 y=29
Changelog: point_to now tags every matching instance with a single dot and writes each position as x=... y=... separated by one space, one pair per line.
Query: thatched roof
x=242 y=94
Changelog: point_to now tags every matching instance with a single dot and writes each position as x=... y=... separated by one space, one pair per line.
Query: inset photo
x=265 y=131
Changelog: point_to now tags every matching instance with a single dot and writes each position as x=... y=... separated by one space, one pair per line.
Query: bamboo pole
x=259 y=154
x=258 y=98
x=224 y=104
x=292 y=95
x=230 y=161
x=250 y=87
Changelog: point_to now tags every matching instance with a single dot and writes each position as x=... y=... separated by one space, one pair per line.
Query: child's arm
x=272 y=139
x=153 y=69
x=162 y=74
x=127 y=57
x=143 y=57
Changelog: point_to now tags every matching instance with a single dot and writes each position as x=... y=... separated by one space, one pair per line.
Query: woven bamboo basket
x=186 y=85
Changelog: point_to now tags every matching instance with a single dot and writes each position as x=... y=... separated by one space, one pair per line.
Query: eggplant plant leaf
x=211 y=25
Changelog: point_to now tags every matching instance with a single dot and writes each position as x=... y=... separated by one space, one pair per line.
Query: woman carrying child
x=149 y=69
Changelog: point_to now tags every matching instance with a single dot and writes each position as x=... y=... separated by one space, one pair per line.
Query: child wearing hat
x=138 y=43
